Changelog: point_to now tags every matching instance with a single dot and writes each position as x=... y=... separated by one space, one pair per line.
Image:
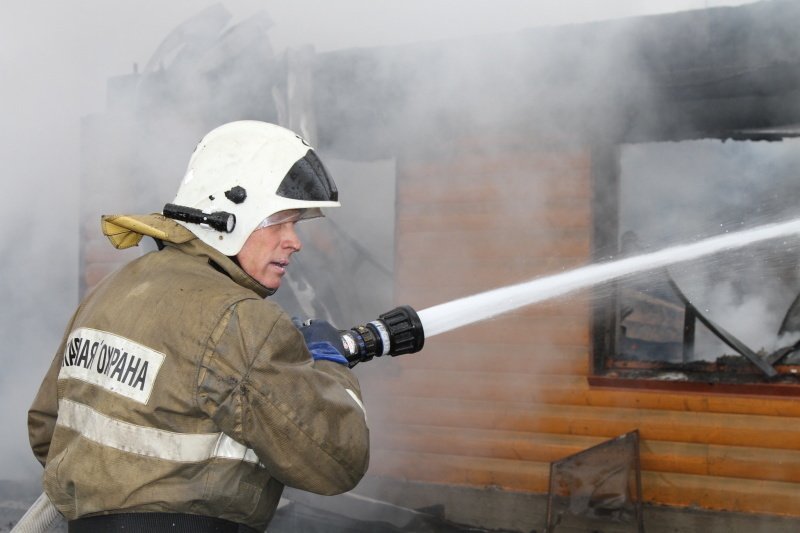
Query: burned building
x=504 y=158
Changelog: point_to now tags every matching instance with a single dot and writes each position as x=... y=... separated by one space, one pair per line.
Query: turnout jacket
x=178 y=388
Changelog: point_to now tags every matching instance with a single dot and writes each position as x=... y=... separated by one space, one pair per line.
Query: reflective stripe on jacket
x=178 y=388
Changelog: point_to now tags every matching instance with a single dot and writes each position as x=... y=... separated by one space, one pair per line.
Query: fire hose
x=395 y=332
x=39 y=517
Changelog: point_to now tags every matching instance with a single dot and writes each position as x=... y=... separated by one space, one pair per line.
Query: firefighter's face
x=266 y=254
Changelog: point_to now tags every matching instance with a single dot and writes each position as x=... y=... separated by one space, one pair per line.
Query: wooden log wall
x=492 y=404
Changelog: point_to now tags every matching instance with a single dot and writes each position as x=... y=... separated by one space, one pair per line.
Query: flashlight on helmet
x=219 y=220
x=395 y=332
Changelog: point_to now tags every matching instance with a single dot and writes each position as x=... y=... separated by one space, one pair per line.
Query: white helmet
x=250 y=170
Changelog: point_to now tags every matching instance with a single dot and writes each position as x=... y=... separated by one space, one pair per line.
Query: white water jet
x=456 y=313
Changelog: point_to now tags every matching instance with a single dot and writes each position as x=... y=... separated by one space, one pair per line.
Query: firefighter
x=180 y=398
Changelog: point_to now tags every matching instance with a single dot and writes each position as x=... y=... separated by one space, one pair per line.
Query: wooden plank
x=473 y=245
x=489 y=272
x=569 y=213
x=685 y=458
x=521 y=356
x=674 y=400
x=755 y=389
x=563 y=208
x=473 y=161
x=724 y=494
x=433 y=468
x=563 y=191
x=754 y=463
x=753 y=431
x=504 y=383
x=537 y=191
x=503 y=169
x=574 y=391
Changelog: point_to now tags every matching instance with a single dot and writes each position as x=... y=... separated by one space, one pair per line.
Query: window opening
x=731 y=317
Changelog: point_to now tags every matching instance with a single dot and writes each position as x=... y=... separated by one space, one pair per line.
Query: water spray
x=403 y=330
x=457 y=313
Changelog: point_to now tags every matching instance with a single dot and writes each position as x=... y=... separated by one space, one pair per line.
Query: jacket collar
x=125 y=231
x=223 y=264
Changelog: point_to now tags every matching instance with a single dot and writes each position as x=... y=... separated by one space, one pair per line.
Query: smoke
x=678 y=192
x=58 y=57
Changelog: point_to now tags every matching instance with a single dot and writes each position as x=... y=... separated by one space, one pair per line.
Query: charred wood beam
x=723 y=334
x=715 y=117
x=605 y=228
x=772 y=79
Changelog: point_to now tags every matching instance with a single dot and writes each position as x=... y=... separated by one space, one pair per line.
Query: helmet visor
x=308 y=180
x=290 y=215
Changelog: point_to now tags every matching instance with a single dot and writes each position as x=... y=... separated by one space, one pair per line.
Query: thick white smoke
x=56 y=58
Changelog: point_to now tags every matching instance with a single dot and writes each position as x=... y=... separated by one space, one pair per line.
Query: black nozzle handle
x=395 y=332
x=405 y=330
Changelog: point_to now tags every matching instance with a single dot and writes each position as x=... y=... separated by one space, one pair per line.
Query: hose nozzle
x=395 y=332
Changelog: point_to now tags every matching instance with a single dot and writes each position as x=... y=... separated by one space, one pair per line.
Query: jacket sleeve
x=304 y=418
x=43 y=412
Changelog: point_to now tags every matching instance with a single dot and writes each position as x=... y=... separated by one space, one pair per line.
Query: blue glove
x=323 y=340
